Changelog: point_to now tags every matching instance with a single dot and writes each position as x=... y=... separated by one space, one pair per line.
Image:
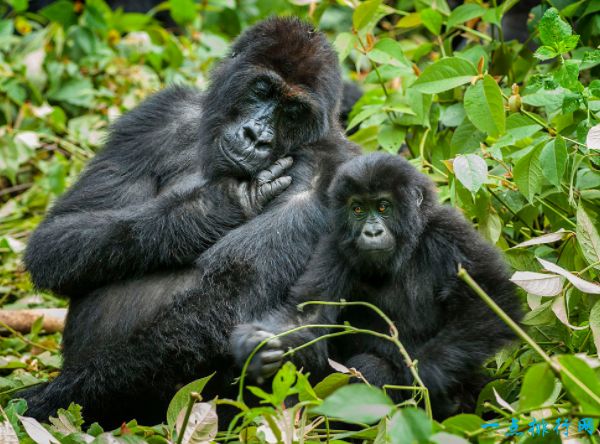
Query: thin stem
x=194 y=396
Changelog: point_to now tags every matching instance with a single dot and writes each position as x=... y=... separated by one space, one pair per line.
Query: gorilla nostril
x=250 y=133
x=373 y=232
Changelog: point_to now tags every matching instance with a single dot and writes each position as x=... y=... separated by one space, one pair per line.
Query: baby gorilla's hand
x=255 y=195
x=266 y=361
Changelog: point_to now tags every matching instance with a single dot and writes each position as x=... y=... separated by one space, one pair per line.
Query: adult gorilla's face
x=273 y=95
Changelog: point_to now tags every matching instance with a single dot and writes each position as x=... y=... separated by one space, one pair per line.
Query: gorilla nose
x=373 y=231
x=257 y=134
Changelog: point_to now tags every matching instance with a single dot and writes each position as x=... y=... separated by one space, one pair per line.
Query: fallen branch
x=22 y=320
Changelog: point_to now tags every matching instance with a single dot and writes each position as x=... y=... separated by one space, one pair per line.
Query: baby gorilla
x=394 y=246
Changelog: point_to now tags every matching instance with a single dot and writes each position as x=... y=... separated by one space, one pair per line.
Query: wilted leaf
x=544 y=239
x=593 y=138
x=7 y=433
x=538 y=283
x=202 y=425
x=36 y=431
x=580 y=284
x=560 y=310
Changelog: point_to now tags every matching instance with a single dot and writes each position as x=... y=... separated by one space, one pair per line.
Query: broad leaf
x=554 y=159
x=356 y=403
x=579 y=369
x=527 y=173
x=553 y=29
x=364 y=13
x=445 y=74
x=538 y=386
x=588 y=236
x=182 y=398
x=484 y=106
x=464 y=13
x=409 y=425
x=539 y=284
x=471 y=171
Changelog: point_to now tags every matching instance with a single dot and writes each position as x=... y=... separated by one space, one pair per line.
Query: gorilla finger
x=274 y=343
x=275 y=170
x=270 y=369
x=271 y=190
x=271 y=356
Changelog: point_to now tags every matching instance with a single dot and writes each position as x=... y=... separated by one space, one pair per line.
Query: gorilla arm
x=115 y=223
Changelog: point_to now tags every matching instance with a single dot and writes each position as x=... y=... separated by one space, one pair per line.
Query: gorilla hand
x=269 y=183
x=266 y=361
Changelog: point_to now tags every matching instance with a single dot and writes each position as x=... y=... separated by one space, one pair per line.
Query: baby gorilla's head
x=382 y=204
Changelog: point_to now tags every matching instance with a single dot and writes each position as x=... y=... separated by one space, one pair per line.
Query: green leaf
x=183 y=11
x=409 y=425
x=388 y=52
x=553 y=29
x=538 y=386
x=587 y=235
x=78 y=92
x=330 y=384
x=464 y=13
x=283 y=382
x=545 y=53
x=466 y=138
x=553 y=160
x=364 y=13
x=587 y=376
x=471 y=170
x=432 y=20
x=182 y=398
x=391 y=137
x=595 y=323
x=484 y=106
x=527 y=173
x=463 y=423
x=343 y=44
x=356 y=403
x=521 y=126
x=445 y=74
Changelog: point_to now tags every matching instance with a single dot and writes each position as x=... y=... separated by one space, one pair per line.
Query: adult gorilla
x=171 y=209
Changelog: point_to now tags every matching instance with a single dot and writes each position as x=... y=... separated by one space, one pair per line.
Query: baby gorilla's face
x=370 y=217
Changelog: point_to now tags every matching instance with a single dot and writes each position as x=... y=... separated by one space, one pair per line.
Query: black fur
x=161 y=209
x=442 y=323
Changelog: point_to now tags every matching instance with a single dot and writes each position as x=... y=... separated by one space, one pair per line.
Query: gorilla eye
x=357 y=209
x=262 y=87
x=383 y=206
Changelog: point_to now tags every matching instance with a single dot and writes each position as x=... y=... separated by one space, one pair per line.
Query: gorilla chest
x=411 y=308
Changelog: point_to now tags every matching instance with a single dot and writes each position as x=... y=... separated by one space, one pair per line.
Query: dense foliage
x=509 y=131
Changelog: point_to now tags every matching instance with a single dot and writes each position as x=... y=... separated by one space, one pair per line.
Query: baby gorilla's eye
x=357 y=209
x=383 y=206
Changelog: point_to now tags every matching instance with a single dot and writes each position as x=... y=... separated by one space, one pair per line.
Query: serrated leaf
x=545 y=53
x=364 y=13
x=484 y=106
x=445 y=74
x=539 y=284
x=580 y=284
x=471 y=171
x=527 y=173
x=553 y=29
x=553 y=160
x=588 y=236
x=464 y=13
x=356 y=403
